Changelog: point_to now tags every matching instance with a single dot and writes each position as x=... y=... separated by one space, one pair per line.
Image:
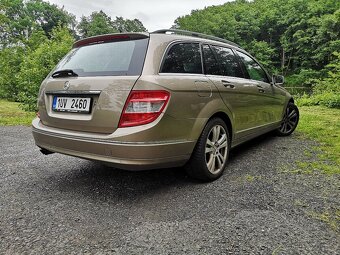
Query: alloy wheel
x=289 y=121
x=216 y=149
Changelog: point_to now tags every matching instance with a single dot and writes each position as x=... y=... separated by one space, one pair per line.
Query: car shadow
x=97 y=180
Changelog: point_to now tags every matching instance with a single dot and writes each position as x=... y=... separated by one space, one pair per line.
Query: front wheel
x=290 y=120
x=210 y=155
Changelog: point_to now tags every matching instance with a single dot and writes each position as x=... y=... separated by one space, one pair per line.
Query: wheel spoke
x=222 y=139
x=216 y=133
x=223 y=145
x=289 y=126
x=210 y=143
x=209 y=150
x=221 y=157
x=292 y=123
x=213 y=164
x=210 y=162
x=285 y=127
x=282 y=127
x=291 y=114
x=219 y=161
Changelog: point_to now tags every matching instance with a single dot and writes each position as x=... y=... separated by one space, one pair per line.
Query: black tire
x=197 y=167
x=290 y=120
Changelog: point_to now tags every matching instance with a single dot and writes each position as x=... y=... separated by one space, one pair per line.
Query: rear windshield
x=111 y=58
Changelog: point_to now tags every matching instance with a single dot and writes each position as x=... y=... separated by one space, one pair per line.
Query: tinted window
x=254 y=69
x=228 y=62
x=210 y=63
x=183 y=58
x=112 y=58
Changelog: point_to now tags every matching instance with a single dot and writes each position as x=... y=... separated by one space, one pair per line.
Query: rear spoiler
x=109 y=38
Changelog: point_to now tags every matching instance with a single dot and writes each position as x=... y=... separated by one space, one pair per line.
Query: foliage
x=96 y=23
x=37 y=63
x=100 y=23
x=128 y=25
x=9 y=69
x=19 y=19
x=326 y=90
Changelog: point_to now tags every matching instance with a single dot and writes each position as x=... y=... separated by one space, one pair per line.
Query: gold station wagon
x=163 y=99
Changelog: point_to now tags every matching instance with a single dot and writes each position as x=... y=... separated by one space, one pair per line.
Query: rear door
x=88 y=88
x=238 y=93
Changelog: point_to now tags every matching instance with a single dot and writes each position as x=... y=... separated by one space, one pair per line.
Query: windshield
x=111 y=58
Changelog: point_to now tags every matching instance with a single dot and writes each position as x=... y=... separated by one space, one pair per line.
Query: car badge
x=66 y=85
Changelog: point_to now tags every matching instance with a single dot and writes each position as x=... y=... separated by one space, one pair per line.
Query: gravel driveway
x=62 y=205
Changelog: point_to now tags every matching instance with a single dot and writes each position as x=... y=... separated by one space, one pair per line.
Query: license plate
x=71 y=104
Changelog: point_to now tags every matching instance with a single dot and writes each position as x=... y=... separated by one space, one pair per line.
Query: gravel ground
x=62 y=205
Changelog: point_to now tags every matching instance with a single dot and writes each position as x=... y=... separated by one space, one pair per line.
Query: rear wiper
x=64 y=73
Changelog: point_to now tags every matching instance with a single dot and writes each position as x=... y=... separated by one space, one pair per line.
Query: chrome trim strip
x=73 y=92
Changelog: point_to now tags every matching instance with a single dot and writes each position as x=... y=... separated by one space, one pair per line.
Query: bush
x=328 y=99
x=326 y=91
x=305 y=78
x=9 y=69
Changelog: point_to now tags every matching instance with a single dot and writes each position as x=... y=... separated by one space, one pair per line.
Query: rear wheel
x=290 y=120
x=210 y=155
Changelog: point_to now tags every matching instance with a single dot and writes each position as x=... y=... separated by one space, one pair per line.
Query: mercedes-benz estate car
x=164 y=99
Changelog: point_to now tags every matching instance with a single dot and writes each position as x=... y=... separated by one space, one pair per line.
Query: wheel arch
x=226 y=119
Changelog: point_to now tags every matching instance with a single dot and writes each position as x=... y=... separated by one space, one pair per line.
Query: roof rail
x=195 y=34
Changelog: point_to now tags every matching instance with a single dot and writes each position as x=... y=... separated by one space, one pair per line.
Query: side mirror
x=278 y=79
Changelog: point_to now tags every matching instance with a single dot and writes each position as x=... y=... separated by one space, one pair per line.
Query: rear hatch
x=88 y=88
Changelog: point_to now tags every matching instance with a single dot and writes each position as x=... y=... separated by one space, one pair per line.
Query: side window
x=254 y=70
x=183 y=58
x=228 y=62
x=210 y=63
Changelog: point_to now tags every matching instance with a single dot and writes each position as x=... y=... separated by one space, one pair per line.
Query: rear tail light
x=143 y=107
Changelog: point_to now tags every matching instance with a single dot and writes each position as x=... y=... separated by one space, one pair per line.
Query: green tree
x=38 y=62
x=19 y=19
x=100 y=23
x=128 y=25
x=97 y=23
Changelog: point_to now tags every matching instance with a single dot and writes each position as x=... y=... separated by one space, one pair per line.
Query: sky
x=154 y=14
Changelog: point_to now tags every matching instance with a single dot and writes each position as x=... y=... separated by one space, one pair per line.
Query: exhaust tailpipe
x=46 y=152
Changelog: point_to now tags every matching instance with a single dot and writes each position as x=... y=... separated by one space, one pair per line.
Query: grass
x=323 y=125
x=330 y=218
x=12 y=115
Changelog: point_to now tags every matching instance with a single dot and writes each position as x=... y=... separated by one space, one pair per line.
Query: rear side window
x=183 y=58
x=111 y=58
x=228 y=61
x=210 y=63
x=254 y=70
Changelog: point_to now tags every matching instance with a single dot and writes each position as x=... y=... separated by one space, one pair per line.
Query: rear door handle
x=228 y=84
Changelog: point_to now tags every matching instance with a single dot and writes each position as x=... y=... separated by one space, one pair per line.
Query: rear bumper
x=124 y=155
